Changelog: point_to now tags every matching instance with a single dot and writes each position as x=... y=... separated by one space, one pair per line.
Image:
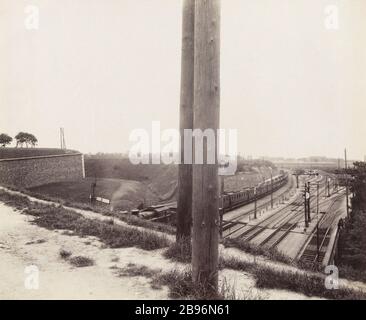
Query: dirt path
x=23 y=244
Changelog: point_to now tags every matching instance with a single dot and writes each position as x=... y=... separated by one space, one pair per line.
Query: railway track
x=284 y=221
x=233 y=227
x=276 y=219
x=311 y=255
x=236 y=220
x=255 y=230
x=319 y=239
x=280 y=234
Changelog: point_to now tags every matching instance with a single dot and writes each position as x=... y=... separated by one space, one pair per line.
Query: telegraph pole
x=317 y=221
x=328 y=186
x=271 y=190
x=306 y=207
x=255 y=203
x=62 y=138
x=325 y=186
x=345 y=167
x=205 y=202
x=184 y=209
x=317 y=199
x=309 y=214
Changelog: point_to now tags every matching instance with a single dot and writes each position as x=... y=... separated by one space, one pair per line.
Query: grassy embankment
x=307 y=283
x=54 y=217
x=352 y=241
x=129 y=219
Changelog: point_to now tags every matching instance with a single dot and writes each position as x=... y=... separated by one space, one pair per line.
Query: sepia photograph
x=158 y=151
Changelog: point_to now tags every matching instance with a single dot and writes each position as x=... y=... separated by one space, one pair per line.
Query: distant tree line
x=247 y=165
x=22 y=138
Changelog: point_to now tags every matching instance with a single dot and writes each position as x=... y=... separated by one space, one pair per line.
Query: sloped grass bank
x=129 y=219
x=56 y=217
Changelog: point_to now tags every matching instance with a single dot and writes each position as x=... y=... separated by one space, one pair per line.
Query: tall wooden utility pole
x=205 y=206
x=317 y=222
x=184 y=210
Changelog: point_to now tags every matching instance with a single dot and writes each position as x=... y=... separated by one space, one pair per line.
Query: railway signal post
x=297 y=179
x=205 y=196
x=309 y=214
x=305 y=207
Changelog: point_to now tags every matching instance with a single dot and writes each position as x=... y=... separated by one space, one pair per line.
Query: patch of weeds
x=272 y=254
x=181 y=286
x=64 y=254
x=308 y=284
x=301 y=282
x=132 y=270
x=80 y=261
x=180 y=251
x=15 y=201
x=235 y=264
x=114 y=236
x=39 y=241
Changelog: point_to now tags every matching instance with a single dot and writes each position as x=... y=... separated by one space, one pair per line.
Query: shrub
x=80 y=261
x=64 y=254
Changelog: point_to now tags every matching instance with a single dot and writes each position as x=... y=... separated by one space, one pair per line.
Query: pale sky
x=101 y=68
